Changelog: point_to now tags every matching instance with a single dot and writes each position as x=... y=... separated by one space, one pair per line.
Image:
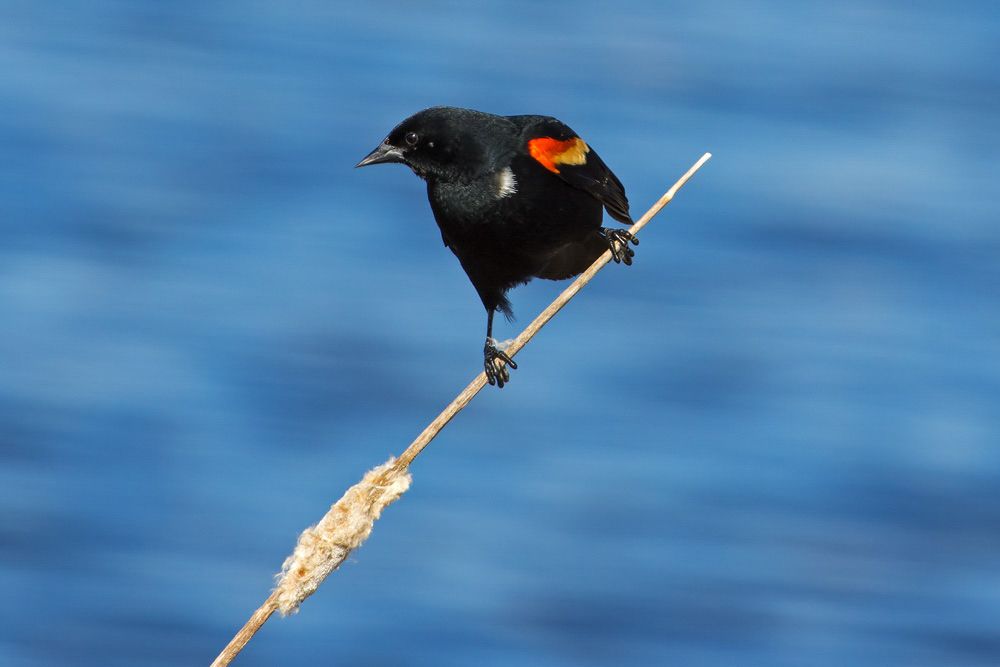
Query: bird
x=515 y=198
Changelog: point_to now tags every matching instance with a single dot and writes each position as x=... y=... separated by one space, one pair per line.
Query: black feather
x=507 y=227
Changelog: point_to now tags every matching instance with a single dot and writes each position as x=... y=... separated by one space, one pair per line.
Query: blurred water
x=771 y=442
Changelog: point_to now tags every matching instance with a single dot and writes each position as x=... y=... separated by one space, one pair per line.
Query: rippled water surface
x=773 y=441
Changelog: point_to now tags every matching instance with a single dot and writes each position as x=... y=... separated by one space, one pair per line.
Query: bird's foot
x=496 y=362
x=618 y=240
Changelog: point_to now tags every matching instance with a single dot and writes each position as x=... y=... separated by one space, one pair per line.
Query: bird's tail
x=503 y=306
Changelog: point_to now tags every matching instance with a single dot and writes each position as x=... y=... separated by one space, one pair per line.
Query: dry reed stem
x=529 y=332
x=337 y=536
x=251 y=627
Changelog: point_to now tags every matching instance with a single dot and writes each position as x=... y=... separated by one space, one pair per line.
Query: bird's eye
x=411 y=138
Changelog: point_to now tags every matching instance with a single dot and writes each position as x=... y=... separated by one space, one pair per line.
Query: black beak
x=384 y=153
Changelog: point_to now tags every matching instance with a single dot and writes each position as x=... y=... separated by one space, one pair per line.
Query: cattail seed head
x=322 y=548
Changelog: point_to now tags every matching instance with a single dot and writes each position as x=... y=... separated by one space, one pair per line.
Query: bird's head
x=444 y=143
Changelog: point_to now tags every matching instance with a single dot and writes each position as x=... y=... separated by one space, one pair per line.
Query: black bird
x=515 y=197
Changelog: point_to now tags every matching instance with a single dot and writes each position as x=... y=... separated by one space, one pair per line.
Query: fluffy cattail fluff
x=322 y=548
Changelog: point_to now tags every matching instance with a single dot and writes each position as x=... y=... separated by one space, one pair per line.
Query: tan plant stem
x=249 y=629
x=323 y=547
x=529 y=332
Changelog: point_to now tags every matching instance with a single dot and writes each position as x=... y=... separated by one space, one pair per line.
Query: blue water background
x=773 y=441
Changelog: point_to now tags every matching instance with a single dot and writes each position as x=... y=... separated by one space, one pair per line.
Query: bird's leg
x=495 y=361
x=618 y=240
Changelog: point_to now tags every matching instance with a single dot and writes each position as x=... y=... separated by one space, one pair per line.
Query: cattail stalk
x=322 y=548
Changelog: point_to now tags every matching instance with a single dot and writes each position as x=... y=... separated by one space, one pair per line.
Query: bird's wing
x=556 y=147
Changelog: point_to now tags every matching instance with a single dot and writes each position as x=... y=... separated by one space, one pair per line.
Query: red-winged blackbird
x=515 y=197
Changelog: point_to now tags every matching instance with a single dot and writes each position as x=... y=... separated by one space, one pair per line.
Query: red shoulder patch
x=551 y=152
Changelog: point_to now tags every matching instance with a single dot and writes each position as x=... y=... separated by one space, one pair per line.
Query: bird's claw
x=618 y=240
x=497 y=364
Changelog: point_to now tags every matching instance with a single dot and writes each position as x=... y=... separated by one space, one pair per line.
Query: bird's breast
x=513 y=211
